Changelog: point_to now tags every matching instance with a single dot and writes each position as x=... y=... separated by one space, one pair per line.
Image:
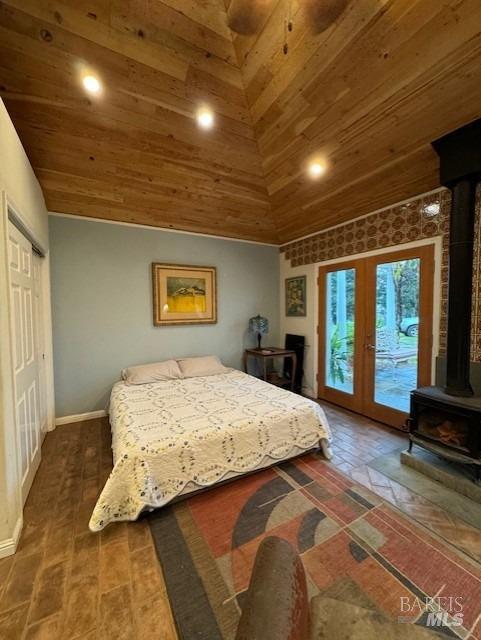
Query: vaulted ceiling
x=367 y=96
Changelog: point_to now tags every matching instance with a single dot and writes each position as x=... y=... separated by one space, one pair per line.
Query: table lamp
x=259 y=325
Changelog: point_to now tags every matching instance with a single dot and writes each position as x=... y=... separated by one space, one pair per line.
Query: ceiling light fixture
x=205 y=118
x=316 y=169
x=92 y=84
x=431 y=210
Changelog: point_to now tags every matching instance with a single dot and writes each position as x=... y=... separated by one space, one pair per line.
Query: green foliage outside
x=342 y=348
x=405 y=275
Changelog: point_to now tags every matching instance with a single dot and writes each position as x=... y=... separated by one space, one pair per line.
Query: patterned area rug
x=354 y=547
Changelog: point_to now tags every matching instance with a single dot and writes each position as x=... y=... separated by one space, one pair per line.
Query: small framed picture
x=296 y=296
x=184 y=294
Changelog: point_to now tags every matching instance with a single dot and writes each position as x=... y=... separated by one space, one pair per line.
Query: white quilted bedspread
x=198 y=431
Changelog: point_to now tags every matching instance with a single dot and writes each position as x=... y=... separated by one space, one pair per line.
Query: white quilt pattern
x=197 y=430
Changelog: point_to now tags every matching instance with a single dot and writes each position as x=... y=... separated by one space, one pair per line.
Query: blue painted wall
x=102 y=303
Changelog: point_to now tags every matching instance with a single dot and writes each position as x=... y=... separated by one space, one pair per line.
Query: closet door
x=24 y=355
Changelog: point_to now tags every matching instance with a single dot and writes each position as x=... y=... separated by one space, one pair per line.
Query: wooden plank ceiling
x=135 y=152
x=367 y=95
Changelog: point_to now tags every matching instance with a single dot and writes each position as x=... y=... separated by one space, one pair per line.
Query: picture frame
x=183 y=294
x=296 y=297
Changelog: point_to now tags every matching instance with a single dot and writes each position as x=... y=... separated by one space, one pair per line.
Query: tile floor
x=358 y=441
x=66 y=583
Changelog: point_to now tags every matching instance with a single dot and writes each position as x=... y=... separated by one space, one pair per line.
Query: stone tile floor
x=358 y=441
x=67 y=583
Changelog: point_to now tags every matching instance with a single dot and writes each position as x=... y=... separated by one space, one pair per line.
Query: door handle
x=371 y=347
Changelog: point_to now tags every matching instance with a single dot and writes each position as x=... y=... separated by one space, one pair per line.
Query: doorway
x=375 y=332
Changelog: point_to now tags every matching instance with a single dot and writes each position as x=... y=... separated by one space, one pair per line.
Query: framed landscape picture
x=296 y=296
x=184 y=294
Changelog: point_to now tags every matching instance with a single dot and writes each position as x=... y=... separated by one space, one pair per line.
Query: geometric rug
x=353 y=545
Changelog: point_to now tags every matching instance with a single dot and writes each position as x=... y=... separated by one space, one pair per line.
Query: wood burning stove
x=446 y=425
x=448 y=421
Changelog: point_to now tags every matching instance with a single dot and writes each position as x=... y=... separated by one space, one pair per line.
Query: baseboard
x=80 y=417
x=9 y=546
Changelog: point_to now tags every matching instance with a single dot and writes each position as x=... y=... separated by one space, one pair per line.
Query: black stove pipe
x=461 y=240
x=460 y=171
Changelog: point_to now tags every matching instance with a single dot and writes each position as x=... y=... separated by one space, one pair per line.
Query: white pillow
x=203 y=366
x=155 y=372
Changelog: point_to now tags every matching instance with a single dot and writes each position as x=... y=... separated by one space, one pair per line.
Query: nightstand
x=269 y=353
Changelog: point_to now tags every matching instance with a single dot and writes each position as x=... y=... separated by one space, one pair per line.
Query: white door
x=40 y=341
x=24 y=353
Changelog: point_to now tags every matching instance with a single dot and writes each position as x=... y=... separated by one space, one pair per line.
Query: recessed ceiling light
x=316 y=169
x=205 y=118
x=92 y=84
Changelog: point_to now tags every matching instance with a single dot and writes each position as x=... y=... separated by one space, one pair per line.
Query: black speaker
x=297 y=344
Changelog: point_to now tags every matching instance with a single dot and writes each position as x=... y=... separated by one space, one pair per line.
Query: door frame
x=364 y=373
x=39 y=284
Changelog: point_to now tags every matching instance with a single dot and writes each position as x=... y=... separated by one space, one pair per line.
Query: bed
x=173 y=437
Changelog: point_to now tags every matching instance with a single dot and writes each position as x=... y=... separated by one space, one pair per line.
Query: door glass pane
x=340 y=320
x=397 y=322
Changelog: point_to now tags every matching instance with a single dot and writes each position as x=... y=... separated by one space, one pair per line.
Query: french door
x=375 y=332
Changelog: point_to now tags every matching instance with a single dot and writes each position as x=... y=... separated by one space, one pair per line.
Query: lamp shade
x=258 y=324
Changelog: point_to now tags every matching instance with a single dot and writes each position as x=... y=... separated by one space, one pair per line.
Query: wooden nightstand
x=269 y=353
